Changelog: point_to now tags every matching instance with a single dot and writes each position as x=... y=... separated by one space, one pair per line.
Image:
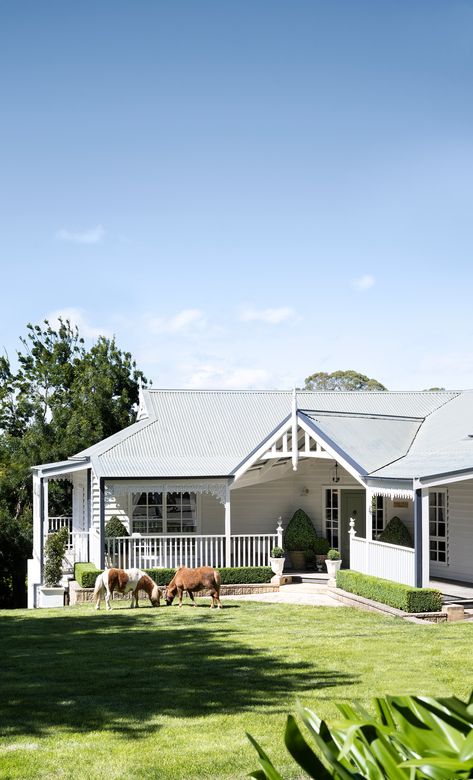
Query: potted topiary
x=333 y=563
x=321 y=548
x=114 y=528
x=396 y=533
x=52 y=592
x=277 y=560
x=299 y=536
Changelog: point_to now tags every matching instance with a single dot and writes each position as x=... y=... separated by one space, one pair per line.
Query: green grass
x=169 y=693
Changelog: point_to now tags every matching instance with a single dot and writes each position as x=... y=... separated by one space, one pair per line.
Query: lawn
x=169 y=693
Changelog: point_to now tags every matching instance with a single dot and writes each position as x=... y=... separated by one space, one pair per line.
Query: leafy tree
x=341 y=380
x=62 y=398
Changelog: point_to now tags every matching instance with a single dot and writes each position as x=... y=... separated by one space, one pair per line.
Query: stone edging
x=78 y=595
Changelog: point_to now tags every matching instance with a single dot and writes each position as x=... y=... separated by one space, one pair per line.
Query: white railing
x=252 y=550
x=389 y=561
x=77 y=551
x=162 y=550
x=56 y=523
x=146 y=552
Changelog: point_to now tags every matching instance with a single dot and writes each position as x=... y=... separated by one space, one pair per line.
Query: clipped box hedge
x=394 y=594
x=246 y=575
x=253 y=575
x=86 y=574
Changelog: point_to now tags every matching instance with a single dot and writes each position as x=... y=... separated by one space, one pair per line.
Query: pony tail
x=98 y=587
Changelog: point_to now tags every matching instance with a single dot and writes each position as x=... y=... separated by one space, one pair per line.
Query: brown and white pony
x=192 y=580
x=124 y=580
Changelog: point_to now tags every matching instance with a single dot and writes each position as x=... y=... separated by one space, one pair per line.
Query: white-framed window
x=438 y=523
x=332 y=516
x=154 y=513
x=377 y=515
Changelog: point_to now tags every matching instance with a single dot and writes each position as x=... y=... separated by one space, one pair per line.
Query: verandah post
x=228 y=527
x=418 y=540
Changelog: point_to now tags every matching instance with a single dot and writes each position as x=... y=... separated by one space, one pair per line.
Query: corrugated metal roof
x=443 y=443
x=371 y=442
x=208 y=433
x=242 y=403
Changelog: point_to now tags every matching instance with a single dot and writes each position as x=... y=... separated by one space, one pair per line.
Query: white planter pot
x=51 y=597
x=277 y=565
x=332 y=568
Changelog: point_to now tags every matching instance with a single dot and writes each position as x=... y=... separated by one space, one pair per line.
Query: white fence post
x=279 y=531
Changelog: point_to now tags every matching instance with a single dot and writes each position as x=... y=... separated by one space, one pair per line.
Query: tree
x=341 y=380
x=62 y=399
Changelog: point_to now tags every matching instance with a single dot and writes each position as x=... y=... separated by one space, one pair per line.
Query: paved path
x=297 y=593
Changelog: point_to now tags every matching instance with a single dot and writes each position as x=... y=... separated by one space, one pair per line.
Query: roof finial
x=142 y=410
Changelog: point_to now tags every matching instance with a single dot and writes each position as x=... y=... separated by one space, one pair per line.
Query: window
x=155 y=513
x=438 y=526
x=377 y=515
x=332 y=516
x=180 y=512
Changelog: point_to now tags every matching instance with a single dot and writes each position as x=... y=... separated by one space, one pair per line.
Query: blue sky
x=243 y=192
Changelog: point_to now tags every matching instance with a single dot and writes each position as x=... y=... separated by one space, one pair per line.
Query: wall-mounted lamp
x=334 y=472
x=304 y=491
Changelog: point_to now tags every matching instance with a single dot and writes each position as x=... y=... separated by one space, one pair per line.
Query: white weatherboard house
x=207 y=477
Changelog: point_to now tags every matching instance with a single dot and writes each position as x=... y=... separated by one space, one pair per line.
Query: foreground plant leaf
x=408 y=738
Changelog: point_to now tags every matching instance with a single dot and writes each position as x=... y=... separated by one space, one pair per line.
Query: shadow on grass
x=119 y=671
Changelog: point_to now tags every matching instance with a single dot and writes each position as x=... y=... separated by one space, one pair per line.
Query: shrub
x=396 y=533
x=115 y=527
x=230 y=576
x=55 y=550
x=321 y=546
x=309 y=559
x=161 y=576
x=85 y=574
x=408 y=737
x=333 y=555
x=300 y=533
x=277 y=552
x=394 y=594
x=244 y=575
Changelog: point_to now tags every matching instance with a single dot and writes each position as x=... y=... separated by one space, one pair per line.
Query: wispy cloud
x=181 y=322
x=364 y=282
x=91 y=236
x=77 y=317
x=213 y=377
x=270 y=316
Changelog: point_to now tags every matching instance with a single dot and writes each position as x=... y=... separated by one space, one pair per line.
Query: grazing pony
x=124 y=580
x=192 y=580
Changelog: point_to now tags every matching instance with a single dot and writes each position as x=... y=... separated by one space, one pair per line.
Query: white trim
x=216 y=487
x=267 y=444
x=393 y=493
x=295 y=438
x=442 y=480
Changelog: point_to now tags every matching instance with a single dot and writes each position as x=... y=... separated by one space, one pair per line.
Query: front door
x=353 y=504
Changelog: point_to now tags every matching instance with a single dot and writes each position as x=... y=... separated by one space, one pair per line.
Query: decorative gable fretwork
x=307 y=447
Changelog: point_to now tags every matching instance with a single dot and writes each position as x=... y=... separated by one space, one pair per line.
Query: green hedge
x=244 y=575
x=233 y=576
x=161 y=576
x=87 y=573
x=394 y=594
